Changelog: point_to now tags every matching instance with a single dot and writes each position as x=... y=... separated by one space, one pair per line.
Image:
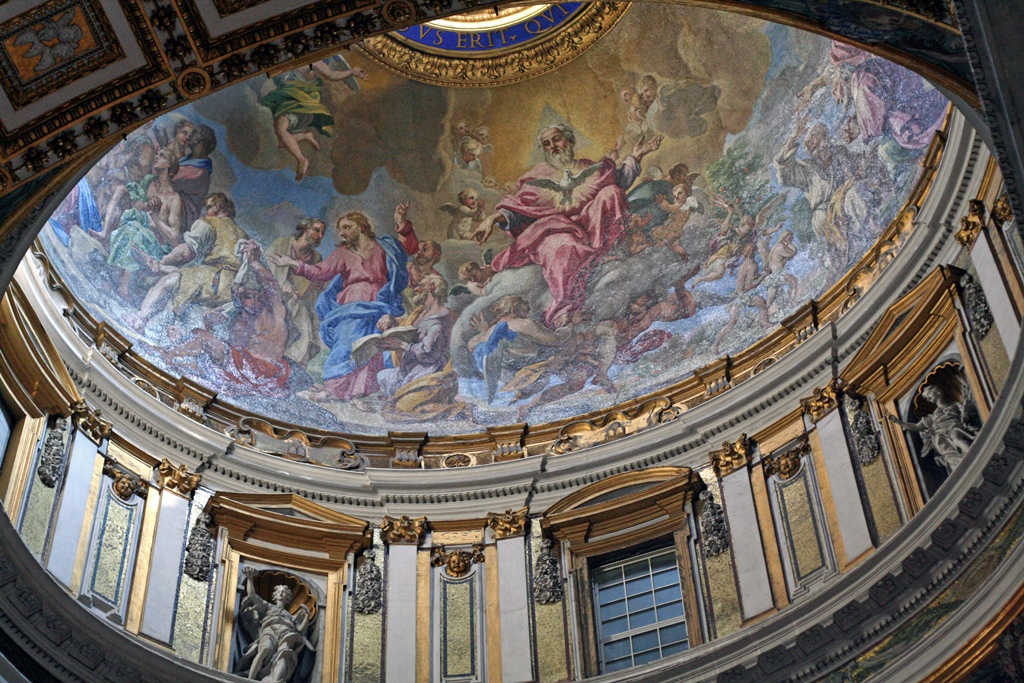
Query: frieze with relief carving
x=615 y=425
x=732 y=456
x=403 y=530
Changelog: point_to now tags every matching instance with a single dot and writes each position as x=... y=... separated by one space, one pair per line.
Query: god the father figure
x=567 y=213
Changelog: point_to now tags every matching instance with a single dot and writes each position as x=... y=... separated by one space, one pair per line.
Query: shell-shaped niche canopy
x=407 y=238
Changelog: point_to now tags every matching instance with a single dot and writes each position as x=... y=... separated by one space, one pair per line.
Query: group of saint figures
x=578 y=281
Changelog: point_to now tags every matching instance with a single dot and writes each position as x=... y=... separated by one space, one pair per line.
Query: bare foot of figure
x=303 y=166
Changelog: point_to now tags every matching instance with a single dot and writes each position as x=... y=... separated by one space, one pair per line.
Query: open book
x=365 y=348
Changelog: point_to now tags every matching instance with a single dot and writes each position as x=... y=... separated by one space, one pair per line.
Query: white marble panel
x=400 y=636
x=513 y=606
x=748 y=551
x=71 y=511
x=995 y=291
x=168 y=547
x=853 y=526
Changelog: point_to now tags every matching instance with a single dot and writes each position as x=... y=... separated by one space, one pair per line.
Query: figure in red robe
x=567 y=213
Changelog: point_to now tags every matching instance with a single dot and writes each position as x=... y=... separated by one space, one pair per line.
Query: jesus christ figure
x=567 y=213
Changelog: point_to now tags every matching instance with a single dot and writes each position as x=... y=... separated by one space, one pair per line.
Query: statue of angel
x=278 y=636
x=946 y=430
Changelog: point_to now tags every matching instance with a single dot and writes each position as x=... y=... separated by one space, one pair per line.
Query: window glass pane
x=663 y=561
x=634 y=569
x=611 y=593
x=673 y=633
x=641 y=585
x=639 y=602
x=617 y=649
x=605 y=577
x=673 y=610
x=675 y=648
x=618 y=664
x=641 y=619
x=615 y=609
x=614 y=627
x=666 y=578
x=670 y=594
x=645 y=641
x=645 y=657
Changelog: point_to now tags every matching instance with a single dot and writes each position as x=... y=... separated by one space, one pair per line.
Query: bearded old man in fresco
x=367 y=275
x=299 y=293
x=567 y=214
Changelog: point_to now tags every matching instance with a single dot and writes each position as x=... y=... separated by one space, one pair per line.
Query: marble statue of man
x=945 y=430
x=274 y=654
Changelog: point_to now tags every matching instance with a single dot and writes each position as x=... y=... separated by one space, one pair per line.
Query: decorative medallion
x=458 y=460
x=508 y=524
x=177 y=478
x=457 y=562
x=972 y=224
x=403 y=530
x=193 y=83
x=475 y=52
x=52 y=45
x=398 y=12
x=731 y=456
x=822 y=402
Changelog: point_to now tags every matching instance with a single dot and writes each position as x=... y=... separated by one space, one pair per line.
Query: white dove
x=567 y=184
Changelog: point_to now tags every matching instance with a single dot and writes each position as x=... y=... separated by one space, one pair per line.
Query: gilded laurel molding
x=403 y=530
x=972 y=224
x=732 y=456
x=788 y=463
x=822 y=401
x=457 y=563
x=509 y=523
x=535 y=59
x=177 y=478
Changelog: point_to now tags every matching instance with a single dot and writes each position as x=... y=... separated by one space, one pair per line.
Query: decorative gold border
x=512 y=66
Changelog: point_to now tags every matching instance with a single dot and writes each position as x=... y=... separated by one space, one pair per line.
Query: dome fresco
x=344 y=248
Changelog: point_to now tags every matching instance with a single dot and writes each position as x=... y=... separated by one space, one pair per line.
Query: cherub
x=482 y=134
x=468 y=156
x=298 y=110
x=475 y=276
x=460 y=131
x=470 y=209
x=683 y=204
x=639 y=102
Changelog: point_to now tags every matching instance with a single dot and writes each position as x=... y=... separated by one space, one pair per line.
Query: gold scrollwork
x=786 y=464
x=403 y=530
x=457 y=562
x=732 y=456
x=177 y=478
x=510 y=67
x=509 y=523
x=822 y=402
x=615 y=425
x=972 y=224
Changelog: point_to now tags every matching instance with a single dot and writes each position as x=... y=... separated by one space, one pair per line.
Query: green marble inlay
x=194 y=597
x=550 y=629
x=458 y=627
x=113 y=550
x=801 y=527
x=37 y=517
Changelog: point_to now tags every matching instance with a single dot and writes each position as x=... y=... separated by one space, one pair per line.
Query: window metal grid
x=640 y=614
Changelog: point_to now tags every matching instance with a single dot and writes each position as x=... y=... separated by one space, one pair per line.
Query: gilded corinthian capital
x=403 y=530
x=731 y=456
x=508 y=524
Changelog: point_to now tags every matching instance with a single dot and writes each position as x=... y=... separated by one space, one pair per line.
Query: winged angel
x=42 y=37
x=277 y=636
x=947 y=430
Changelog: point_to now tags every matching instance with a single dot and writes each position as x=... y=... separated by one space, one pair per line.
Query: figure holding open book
x=367 y=274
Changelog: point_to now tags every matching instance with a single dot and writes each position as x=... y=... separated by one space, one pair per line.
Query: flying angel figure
x=67 y=35
x=567 y=185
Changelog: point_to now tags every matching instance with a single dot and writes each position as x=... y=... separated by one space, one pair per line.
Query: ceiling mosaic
x=346 y=248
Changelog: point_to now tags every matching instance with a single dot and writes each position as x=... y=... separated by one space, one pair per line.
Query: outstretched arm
x=250 y=589
x=912 y=426
x=332 y=75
